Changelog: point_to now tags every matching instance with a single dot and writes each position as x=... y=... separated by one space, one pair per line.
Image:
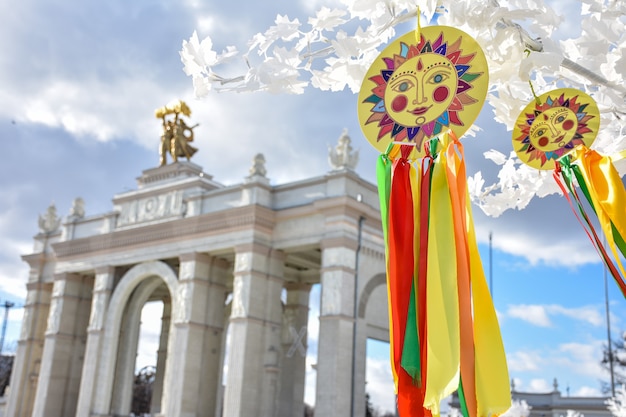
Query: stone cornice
x=39 y=286
x=69 y=277
x=347 y=206
x=152 y=192
x=195 y=257
x=36 y=260
x=239 y=218
x=339 y=242
x=171 y=172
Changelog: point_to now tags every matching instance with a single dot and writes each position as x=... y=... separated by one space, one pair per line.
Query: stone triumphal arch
x=216 y=256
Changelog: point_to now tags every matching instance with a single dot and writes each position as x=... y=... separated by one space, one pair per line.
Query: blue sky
x=81 y=80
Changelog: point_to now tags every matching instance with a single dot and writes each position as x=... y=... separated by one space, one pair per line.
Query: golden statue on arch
x=176 y=134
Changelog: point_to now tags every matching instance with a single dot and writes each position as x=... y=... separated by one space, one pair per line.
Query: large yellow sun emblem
x=553 y=125
x=417 y=89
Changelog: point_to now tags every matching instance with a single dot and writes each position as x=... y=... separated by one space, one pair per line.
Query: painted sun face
x=553 y=125
x=421 y=89
x=553 y=129
x=422 y=85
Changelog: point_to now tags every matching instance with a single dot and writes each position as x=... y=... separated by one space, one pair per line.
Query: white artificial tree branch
x=334 y=49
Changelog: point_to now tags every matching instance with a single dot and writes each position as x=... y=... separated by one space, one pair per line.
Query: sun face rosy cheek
x=399 y=103
x=440 y=94
x=568 y=124
x=543 y=141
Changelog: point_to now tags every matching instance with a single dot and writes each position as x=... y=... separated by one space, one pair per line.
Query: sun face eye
x=540 y=132
x=402 y=86
x=438 y=78
x=560 y=119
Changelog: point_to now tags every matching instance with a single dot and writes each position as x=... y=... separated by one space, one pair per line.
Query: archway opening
x=147 y=357
x=142 y=349
x=379 y=389
x=313 y=330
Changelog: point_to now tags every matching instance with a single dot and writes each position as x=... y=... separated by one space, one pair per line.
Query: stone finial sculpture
x=78 y=209
x=49 y=222
x=258 y=166
x=343 y=156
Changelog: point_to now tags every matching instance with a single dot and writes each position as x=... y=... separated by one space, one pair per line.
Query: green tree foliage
x=616 y=356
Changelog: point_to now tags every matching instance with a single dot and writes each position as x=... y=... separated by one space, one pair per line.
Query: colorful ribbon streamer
x=444 y=333
x=604 y=191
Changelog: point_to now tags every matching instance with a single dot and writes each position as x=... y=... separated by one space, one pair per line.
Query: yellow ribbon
x=607 y=193
x=493 y=395
x=443 y=339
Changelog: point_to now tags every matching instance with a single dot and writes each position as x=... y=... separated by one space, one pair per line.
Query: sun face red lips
x=418 y=111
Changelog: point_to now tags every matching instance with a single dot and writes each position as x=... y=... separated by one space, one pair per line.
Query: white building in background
x=548 y=404
x=553 y=404
x=187 y=241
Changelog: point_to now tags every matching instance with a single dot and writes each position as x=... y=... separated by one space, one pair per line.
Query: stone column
x=64 y=347
x=103 y=286
x=255 y=330
x=219 y=409
x=29 y=349
x=360 y=368
x=213 y=359
x=294 y=339
x=191 y=379
x=334 y=356
x=294 y=348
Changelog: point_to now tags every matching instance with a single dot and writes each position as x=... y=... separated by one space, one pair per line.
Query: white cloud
x=312 y=341
x=588 y=313
x=379 y=384
x=313 y=325
x=529 y=234
x=521 y=361
x=14 y=272
x=539 y=315
x=14 y=242
x=539 y=385
x=572 y=363
x=312 y=6
x=310 y=379
x=98 y=109
x=583 y=358
x=149 y=335
x=517 y=383
x=534 y=314
x=586 y=391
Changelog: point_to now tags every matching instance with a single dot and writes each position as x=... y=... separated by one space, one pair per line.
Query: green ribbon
x=462 y=401
x=383 y=178
x=411 y=349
